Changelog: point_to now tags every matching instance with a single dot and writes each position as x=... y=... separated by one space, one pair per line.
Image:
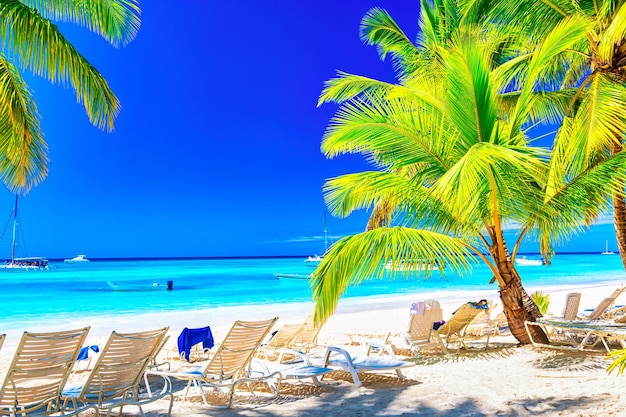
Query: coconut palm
x=594 y=128
x=455 y=168
x=32 y=42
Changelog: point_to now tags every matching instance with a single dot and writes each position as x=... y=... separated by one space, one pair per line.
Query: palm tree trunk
x=619 y=213
x=517 y=304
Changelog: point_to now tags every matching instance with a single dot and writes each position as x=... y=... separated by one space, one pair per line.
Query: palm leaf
x=363 y=256
x=39 y=46
x=117 y=21
x=23 y=151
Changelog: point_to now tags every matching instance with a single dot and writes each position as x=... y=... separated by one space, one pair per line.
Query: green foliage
x=450 y=150
x=29 y=40
x=619 y=361
x=542 y=300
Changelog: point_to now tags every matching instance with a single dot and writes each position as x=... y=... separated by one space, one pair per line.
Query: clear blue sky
x=217 y=149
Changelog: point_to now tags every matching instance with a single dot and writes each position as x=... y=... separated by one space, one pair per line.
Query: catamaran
x=27 y=263
x=316 y=259
x=607 y=251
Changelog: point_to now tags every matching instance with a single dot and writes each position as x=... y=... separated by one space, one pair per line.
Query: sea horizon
x=166 y=258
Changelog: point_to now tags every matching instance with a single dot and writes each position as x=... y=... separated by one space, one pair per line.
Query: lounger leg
x=355 y=378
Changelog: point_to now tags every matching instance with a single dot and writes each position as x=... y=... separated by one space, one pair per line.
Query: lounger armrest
x=330 y=350
x=167 y=382
x=303 y=357
x=381 y=346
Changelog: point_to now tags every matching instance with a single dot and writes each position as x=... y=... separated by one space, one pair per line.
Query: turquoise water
x=71 y=290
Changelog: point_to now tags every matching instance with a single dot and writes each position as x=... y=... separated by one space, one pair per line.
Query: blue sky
x=217 y=149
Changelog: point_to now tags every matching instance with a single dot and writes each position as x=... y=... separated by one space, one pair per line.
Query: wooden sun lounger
x=229 y=366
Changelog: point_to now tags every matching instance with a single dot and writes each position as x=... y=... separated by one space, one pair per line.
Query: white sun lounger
x=336 y=357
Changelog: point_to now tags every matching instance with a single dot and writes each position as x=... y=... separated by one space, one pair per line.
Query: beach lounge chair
x=289 y=368
x=336 y=357
x=306 y=338
x=40 y=367
x=420 y=333
x=604 y=310
x=455 y=329
x=154 y=361
x=114 y=381
x=229 y=366
x=282 y=339
x=572 y=301
x=579 y=335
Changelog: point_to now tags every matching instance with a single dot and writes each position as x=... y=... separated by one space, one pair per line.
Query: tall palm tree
x=30 y=41
x=595 y=124
x=454 y=163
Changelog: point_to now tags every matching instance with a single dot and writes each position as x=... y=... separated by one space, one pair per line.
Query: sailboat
x=316 y=259
x=607 y=251
x=29 y=263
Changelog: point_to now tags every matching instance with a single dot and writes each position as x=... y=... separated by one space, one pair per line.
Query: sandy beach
x=504 y=380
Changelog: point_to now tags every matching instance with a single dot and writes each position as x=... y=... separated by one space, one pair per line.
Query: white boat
x=524 y=261
x=606 y=250
x=24 y=263
x=291 y=276
x=155 y=286
x=316 y=259
x=77 y=260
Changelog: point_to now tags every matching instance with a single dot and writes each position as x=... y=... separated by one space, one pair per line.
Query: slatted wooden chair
x=604 y=310
x=230 y=364
x=306 y=339
x=572 y=301
x=39 y=370
x=115 y=378
x=420 y=333
x=283 y=339
x=455 y=329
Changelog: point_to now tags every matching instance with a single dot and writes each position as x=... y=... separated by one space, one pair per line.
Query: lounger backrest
x=459 y=320
x=572 y=301
x=307 y=337
x=234 y=354
x=601 y=308
x=420 y=325
x=39 y=370
x=121 y=364
x=284 y=337
x=2 y=337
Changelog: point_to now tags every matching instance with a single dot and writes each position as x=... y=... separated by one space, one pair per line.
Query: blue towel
x=83 y=353
x=190 y=337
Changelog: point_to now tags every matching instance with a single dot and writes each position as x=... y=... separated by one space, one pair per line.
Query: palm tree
x=454 y=164
x=32 y=42
x=596 y=70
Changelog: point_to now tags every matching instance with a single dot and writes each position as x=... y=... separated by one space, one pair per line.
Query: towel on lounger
x=190 y=337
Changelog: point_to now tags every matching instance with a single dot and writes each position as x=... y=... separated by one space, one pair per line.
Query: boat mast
x=14 y=231
x=325 y=235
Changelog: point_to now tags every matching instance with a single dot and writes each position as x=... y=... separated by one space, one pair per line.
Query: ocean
x=67 y=291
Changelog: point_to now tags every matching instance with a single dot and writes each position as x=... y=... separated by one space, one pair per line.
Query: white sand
x=505 y=380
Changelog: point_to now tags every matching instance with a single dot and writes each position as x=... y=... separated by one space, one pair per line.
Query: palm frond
x=598 y=122
x=23 y=150
x=361 y=257
x=566 y=34
x=470 y=101
x=612 y=36
x=378 y=28
x=38 y=45
x=117 y=21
